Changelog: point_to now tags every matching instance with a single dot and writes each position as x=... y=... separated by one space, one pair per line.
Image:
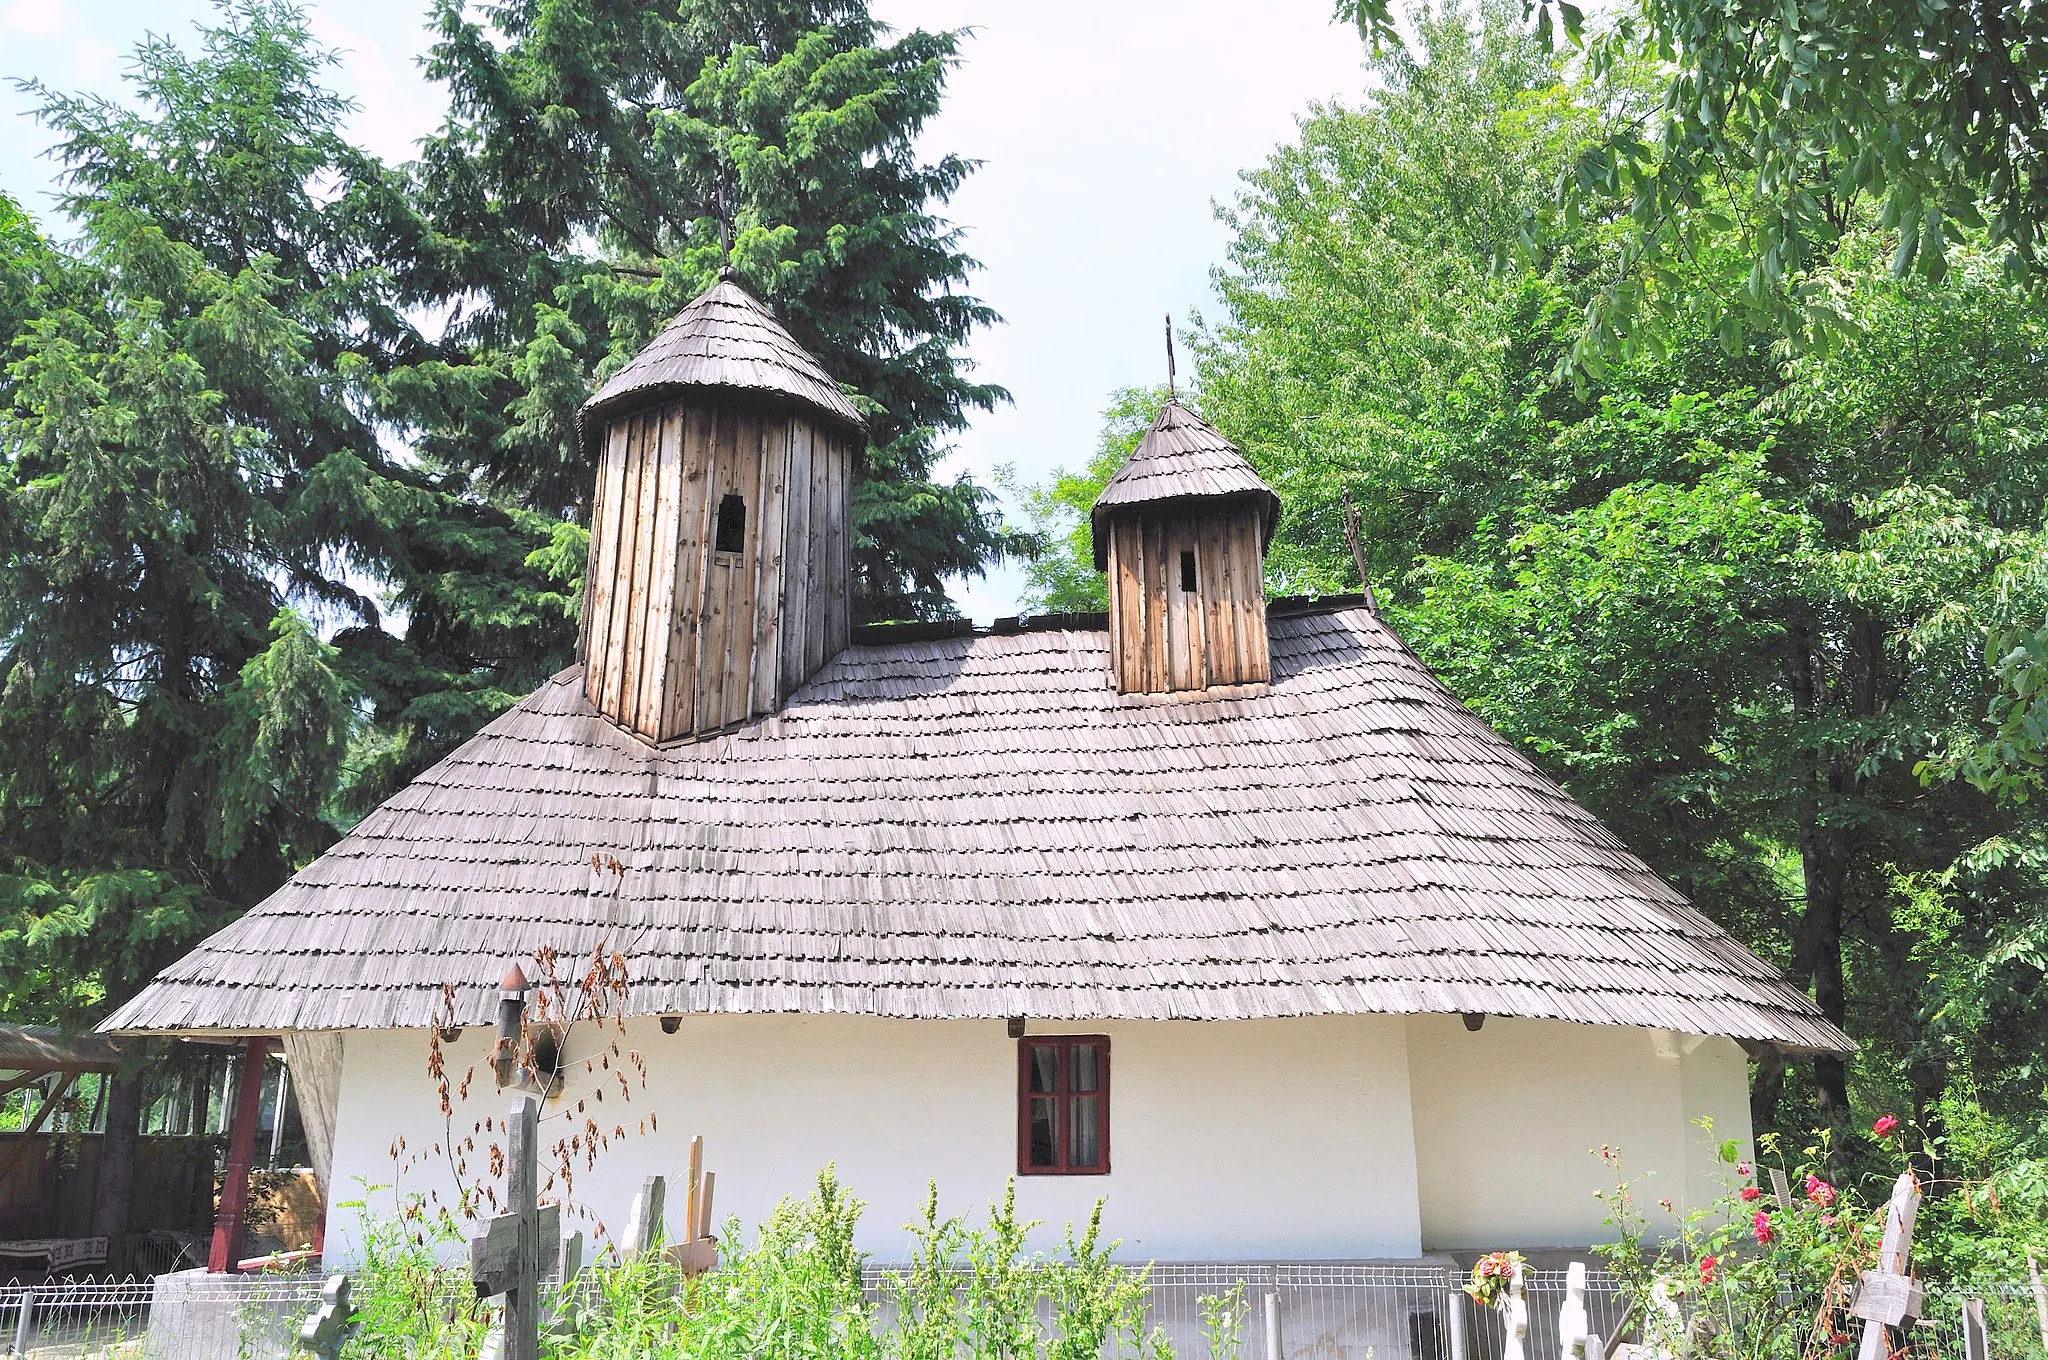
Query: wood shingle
x=983 y=827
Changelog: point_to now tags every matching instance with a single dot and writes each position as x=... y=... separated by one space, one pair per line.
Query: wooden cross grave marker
x=644 y=1222
x=1890 y=1297
x=515 y=1249
x=698 y=1250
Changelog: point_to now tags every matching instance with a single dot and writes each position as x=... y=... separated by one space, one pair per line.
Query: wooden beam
x=44 y=1110
x=234 y=1187
x=10 y=1085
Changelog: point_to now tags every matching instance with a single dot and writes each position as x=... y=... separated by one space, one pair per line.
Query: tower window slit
x=732 y=523
x=1187 y=572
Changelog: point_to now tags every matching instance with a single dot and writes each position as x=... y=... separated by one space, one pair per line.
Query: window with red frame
x=1063 y=1105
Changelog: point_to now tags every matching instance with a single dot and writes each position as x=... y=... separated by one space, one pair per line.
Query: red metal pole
x=234 y=1186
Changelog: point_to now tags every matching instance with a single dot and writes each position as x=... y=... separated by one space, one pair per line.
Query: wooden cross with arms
x=518 y=1247
x=1889 y=1296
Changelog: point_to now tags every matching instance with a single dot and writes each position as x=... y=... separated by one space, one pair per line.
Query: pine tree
x=598 y=158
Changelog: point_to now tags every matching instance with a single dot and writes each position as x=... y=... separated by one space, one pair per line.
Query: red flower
x=1884 y=1125
x=1819 y=1191
x=1751 y=1193
x=1707 y=1265
x=1760 y=1228
x=1742 y=1168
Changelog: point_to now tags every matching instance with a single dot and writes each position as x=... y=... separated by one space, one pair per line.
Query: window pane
x=1044 y=1121
x=1086 y=1147
x=1045 y=1074
x=1082 y=1072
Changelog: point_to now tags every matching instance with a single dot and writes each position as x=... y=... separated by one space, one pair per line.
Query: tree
x=288 y=466
x=1063 y=578
x=596 y=156
x=1732 y=599
x=1377 y=327
x=1796 y=124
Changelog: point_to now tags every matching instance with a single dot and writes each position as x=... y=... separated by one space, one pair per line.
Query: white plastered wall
x=1507 y=1118
x=1267 y=1139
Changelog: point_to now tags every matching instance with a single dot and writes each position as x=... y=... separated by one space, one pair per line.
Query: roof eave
x=594 y=414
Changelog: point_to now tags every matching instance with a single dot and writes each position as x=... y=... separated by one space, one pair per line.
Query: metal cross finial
x=1171 y=394
x=724 y=202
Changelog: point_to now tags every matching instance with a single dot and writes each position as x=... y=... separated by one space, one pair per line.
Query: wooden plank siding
x=796 y=583
x=680 y=639
x=1164 y=639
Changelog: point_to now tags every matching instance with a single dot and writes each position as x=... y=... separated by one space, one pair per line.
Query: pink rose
x=1742 y=1168
x=1760 y=1228
x=1751 y=1194
x=1884 y=1125
x=1707 y=1265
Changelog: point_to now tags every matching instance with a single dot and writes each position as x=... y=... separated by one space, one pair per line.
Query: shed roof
x=1181 y=458
x=725 y=338
x=45 y=1048
x=983 y=827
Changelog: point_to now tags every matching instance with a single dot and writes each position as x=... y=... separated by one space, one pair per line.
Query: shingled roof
x=725 y=338
x=1181 y=458
x=983 y=827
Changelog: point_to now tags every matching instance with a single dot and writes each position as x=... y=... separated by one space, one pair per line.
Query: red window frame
x=1062 y=1099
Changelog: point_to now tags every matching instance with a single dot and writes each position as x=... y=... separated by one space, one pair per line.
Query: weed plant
x=797 y=1290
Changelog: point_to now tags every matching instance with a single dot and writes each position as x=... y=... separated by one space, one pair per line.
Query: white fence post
x=1459 y=1344
x=1514 y=1311
x=1275 y=1349
x=2040 y=1297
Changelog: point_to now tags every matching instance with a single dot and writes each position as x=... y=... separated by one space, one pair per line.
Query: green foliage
x=1746 y=1277
x=595 y=154
x=1063 y=578
x=1737 y=601
x=792 y=1291
x=290 y=483
x=1781 y=131
x=1223 y=1319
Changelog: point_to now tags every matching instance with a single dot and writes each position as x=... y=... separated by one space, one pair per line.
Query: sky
x=1108 y=130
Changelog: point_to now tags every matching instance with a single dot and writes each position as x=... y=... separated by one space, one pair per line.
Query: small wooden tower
x=1182 y=531
x=720 y=573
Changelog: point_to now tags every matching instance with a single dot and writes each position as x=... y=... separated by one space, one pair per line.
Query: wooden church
x=1219 y=908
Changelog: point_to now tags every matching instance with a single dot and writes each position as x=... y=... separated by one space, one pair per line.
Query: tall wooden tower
x=720 y=574
x=1182 y=530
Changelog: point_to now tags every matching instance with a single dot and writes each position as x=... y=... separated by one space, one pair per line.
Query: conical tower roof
x=1181 y=458
x=726 y=338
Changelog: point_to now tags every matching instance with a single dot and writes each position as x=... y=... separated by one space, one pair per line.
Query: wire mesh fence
x=1200 y=1310
x=77 y=1318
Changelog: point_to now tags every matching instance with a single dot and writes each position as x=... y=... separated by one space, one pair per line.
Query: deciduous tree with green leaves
x=1734 y=600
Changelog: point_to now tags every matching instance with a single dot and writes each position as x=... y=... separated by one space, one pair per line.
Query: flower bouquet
x=1491 y=1275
